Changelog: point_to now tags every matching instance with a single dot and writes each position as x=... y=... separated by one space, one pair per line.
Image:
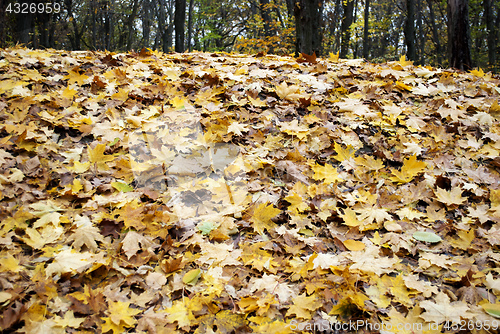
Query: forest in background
x=377 y=30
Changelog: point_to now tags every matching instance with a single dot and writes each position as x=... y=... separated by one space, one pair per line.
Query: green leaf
x=121 y=186
x=206 y=227
x=426 y=236
x=192 y=276
x=492 y=309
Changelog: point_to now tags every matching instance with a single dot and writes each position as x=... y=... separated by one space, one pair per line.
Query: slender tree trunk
x=421 y=34
x=490 y=30
x=435 y=35
x=335 y=30
x=366 y=42
x=107 y=25
x=131 y=24
x=410 y=30
x=170 y=27
x=146 y=22
x=190 y=25
x=179 y=22
x=459 y=34
x=94 y=28
x=348 y=6
x=308 y=26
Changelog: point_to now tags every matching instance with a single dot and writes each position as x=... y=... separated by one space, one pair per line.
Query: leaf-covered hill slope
x=199 y=193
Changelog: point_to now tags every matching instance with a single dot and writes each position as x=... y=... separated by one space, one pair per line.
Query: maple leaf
x=326 y=172
x=85 y=234
x=133 y=242
x=97 y=156
x=68 y=261
x=411 y=168
x=47 y=211
x=180 y=313
x=262 y=216
x=453 y=197
x=303 y=306
x=442 y=310
x=287 y=92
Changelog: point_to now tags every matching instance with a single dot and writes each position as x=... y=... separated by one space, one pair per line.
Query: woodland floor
x=218 y=193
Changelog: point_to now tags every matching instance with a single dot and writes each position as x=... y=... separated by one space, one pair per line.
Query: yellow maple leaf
x=350 y=218
x=326 y=172
x=343 y=154
x=477 y=72
x=453 y=197
x=179 y=312
x=404 y=62
x=97 y=156
x=369 y=162
x=262 y=216
x=334 y=57
x=411 y=167
x=303 y=306
x=76 y=77
x=9 y=263
x=297 y=202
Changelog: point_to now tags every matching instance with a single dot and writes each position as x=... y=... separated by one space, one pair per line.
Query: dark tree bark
x=24 y=24
x=366 y=42
x=146 y=22
x=459 y=34
x=420 y=34
x=347 y=17
x=308 y=26
x=179 y=22
x=107 y=24
x=290 y=8
x=435 y=35
x=190 y=25
x=409 y=30
x=130 y=25
x=490 y=30
x=93 y=10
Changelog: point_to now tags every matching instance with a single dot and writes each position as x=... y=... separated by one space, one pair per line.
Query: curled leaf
x=192 y=276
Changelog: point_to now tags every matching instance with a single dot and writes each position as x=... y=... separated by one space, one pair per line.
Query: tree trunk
x=190 y=25
x=409 y=30
x=93 y=10
x=435 y=35
x=23 y=27
x=459 y=34
x=347 y=17
x=490 y=30
x=308 y=26
x=421 y=34
x=266 y=17
x=130 y=25
x=179 y=21
x=366 y=42
x=146 y=22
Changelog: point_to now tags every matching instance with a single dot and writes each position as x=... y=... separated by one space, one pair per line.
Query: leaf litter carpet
x=219 y=193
